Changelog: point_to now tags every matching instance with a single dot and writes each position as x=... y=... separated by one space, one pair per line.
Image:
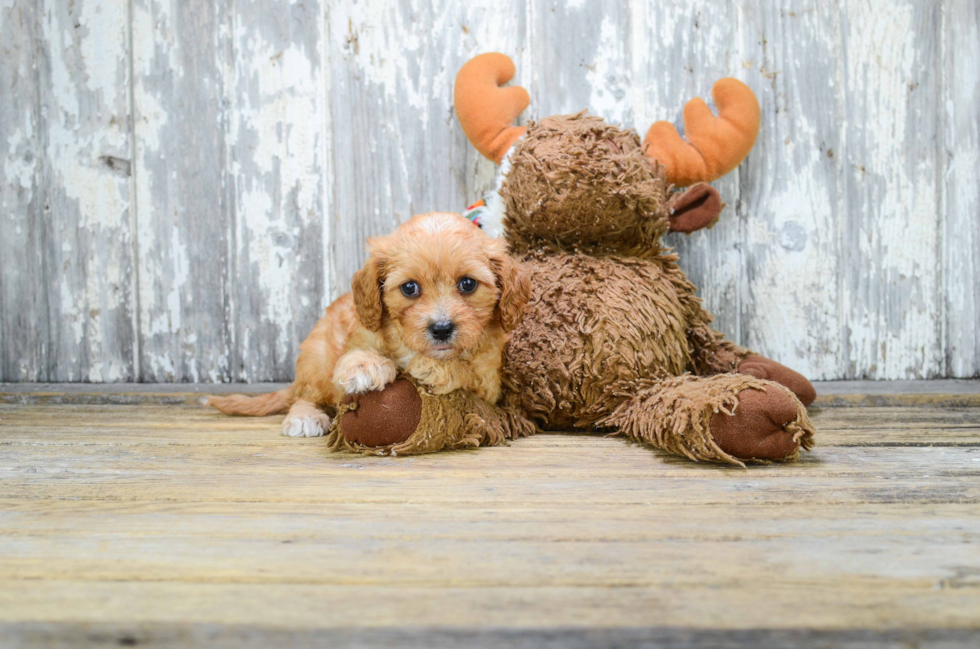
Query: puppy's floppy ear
x=514 y=285
x=366 y=286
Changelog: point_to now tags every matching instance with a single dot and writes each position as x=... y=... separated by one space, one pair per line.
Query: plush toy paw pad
x=382 y=417
x=765 y=368
x=314 y=426
x=758 y=428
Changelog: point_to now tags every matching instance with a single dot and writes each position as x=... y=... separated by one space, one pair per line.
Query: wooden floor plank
x=656 y=551
x=155 y=424
x=932 y=393
x=773 y=605
x=527 y=460
x=151 y=519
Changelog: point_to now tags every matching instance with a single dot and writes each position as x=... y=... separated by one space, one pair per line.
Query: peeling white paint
x=609 y=81
x=894 y=328
x=18 y=170
x=961 y=207
x=859 y=264
x=276 y=139
x=86 y=199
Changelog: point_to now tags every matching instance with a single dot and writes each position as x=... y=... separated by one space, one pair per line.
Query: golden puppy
x=435 y=300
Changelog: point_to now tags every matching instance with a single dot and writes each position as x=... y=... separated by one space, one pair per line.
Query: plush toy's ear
x=485 y=110
x=514 y=285
x=695 y=208
x=367 y=286
x=715 y=145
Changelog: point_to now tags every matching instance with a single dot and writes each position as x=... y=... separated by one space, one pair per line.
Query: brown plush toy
x=615 y=337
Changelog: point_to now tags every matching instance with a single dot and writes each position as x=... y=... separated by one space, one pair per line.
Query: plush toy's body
x=614 y=336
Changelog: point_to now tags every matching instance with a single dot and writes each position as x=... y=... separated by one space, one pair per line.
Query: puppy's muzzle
x=442 y=330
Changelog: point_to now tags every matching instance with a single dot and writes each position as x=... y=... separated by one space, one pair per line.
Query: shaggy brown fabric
x=765 y=368
x=614 y=334
x=451 y=421
x=592 y=322
x=676 y=414
x=712 y=353
x=579 y=184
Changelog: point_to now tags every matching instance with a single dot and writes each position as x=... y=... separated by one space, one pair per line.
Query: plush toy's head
x=576 y=182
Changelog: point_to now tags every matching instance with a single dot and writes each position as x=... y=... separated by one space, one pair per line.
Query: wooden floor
x=151 y=520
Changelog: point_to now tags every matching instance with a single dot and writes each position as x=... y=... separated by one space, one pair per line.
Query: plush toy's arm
x=711 y=353
x=405 y=419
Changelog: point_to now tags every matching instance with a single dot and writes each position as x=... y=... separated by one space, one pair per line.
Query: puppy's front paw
x=308 y=426
x=358 y=372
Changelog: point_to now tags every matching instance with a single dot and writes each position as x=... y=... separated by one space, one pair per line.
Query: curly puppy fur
x=368 y=336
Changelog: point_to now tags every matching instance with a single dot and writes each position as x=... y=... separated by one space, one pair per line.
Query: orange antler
x=715 y=145
x=485 y=110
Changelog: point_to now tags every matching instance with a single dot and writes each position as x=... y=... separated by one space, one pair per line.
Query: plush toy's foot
x=764 y=368
x=726 y=418
x=382 y=418
x=761 y=426
x=404 y=419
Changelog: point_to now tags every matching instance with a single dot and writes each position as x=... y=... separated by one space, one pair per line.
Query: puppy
x=435 y=300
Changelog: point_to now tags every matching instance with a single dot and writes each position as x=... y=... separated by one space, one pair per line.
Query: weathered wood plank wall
x=185 y=185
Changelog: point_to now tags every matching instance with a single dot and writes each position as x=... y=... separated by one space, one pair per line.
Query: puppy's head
x=441 y=283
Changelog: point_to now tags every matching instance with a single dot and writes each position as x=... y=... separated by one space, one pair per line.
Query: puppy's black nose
x=442 y=330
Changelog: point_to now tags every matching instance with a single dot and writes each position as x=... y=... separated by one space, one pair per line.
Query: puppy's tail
x=257 y=406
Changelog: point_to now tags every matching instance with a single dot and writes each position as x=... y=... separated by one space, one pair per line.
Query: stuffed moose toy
x=614 y=337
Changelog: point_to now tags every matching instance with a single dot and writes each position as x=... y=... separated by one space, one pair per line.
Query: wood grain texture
x=790 y=243
x=86 y=179
x=961 y=140
x=277 y=138
x=181 y=63
x=67 y=263
x=23 y=296
x=397 y=148
x=186 y=185
x=247 y=636
x=680 y=51
x=891 y=238
x=166 y=522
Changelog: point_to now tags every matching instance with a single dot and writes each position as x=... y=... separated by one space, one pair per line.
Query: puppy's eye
x=411 y=289
x=467 y=285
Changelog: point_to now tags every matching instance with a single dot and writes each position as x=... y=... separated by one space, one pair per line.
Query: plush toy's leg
x=723 y=418
x=405 y=419
x=715 y=355
x=711 y=353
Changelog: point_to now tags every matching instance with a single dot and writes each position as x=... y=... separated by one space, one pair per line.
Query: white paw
x=365 y=376
x=361 y=382
x=306 y=426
